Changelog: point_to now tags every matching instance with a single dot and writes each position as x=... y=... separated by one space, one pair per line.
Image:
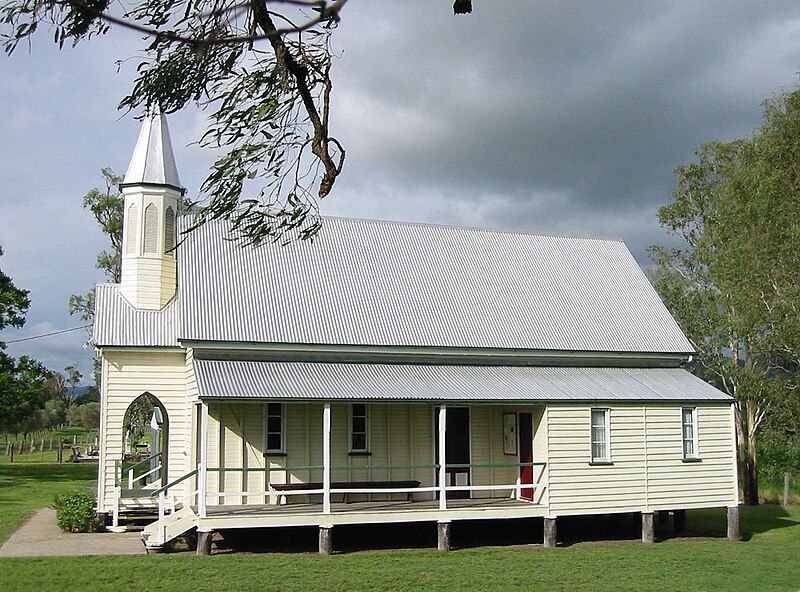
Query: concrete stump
x=648 y=528
x=679 y=521
x=204 y=538
x=326 y=540
x=102 y=520
x=550 y=533
x=733 y=524
x=443 y=536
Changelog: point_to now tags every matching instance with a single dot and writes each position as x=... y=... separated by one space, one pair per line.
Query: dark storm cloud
x=555 y=117
x=574 y=111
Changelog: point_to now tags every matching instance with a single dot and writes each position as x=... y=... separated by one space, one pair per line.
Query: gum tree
x=734 y=283
x=261 y=68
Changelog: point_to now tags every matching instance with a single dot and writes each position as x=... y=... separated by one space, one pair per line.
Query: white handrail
x=142 y=476
x=382 y=490
x=162 y=527
x=517 y=487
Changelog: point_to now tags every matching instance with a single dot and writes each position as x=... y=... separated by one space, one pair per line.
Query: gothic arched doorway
x=145 y=442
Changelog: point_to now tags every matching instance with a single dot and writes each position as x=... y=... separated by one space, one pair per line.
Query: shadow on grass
x=572 y=530
x=12 y=474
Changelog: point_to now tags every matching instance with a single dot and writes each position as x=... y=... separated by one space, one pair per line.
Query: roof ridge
x=472 y=228
x=482 y=229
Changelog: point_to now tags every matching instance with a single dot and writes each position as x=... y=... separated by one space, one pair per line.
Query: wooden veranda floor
x=366 y=512
x=365 y=506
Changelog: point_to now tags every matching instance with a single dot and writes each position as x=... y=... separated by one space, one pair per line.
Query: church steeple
x=153 y=162
x=152 y=190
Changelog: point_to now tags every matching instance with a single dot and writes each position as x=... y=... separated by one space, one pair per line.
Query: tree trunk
x=746 y=452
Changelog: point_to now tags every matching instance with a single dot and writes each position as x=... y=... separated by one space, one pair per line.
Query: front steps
x=134 y=509
x=155 y=535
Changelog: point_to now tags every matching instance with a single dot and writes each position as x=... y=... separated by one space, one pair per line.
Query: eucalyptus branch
x=327 y=14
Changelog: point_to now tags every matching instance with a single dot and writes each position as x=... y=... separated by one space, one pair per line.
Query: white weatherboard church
x=392 y=372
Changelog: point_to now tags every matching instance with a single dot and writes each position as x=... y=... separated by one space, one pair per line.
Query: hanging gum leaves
x=266 y=86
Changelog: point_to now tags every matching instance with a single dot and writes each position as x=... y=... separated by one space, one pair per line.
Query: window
x=151 y=229
x=601 y=436
x=130 y=234
x=169 y=232
x=274 y=428
x=359 y=428
x=689 y=423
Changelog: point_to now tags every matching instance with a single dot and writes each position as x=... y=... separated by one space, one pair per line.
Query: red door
x=526 y=453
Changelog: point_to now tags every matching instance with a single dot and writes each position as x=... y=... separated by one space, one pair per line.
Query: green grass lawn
x=26 y=487
x=769 y=560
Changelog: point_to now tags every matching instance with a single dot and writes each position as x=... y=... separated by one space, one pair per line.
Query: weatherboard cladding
x=118 y=323
x=365 y=282
x=306 y=380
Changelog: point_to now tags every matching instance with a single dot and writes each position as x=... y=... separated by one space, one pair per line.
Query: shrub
x=75 y=511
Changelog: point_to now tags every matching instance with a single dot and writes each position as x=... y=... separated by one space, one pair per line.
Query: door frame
x=435 y=427
x=520 y=440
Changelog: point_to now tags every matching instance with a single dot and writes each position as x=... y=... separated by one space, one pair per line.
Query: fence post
x=786 y=477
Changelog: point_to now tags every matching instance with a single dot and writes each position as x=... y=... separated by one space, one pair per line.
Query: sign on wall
x=510 y=433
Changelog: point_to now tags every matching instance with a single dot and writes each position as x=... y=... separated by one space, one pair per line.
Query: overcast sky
x=546 y=116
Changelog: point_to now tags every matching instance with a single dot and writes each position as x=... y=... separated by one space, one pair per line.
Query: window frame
x=366 y=449
x=267 y=432
x=695 y=455
x=606 y=460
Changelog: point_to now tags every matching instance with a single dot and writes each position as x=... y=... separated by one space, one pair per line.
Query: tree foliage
x=21 y=381
x=21 y=395
x=263 y=75
x=261 y=68
x=734 y=284
x=14 y=303
x=107 y=207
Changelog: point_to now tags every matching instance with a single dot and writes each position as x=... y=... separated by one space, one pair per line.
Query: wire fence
x=47 y=446
x=791 y=488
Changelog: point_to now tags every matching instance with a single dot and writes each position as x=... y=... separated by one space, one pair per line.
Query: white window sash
x=600 y=450
x=693 y=437
x=267 y=431
x=365 y=432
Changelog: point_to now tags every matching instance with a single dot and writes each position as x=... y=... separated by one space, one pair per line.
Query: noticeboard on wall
x=509 y=433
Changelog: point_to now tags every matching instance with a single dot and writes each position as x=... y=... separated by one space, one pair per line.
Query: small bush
x=75 y=511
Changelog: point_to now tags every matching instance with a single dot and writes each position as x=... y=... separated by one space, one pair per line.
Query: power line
x=47 y=334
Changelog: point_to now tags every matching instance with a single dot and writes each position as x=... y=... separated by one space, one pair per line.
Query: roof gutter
x=292 y=352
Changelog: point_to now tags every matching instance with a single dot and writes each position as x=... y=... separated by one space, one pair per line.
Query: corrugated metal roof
x=306 y=380
x=117 y=322
x=366 y=282
x=153 y=161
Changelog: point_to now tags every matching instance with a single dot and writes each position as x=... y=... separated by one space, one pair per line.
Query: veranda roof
x=235 y=379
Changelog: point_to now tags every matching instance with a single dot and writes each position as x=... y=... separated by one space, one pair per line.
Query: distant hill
x=83 y=394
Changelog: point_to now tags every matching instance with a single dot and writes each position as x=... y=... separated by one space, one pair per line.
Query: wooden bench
x=409 y=484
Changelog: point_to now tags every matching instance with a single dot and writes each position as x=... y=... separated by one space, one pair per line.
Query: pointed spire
x=153 y=162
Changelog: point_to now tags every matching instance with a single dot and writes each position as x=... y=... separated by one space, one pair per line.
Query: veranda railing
x=537 y=485
x=199 y=496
